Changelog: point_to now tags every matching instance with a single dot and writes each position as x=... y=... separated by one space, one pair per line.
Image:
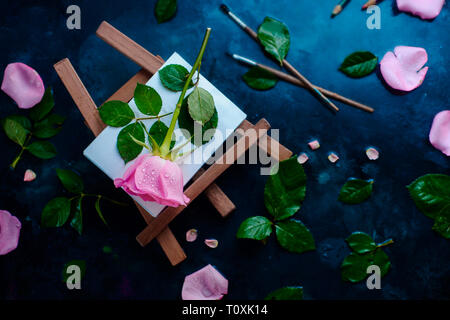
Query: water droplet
x=166 y=175
x=153 y=172
x=206 y=292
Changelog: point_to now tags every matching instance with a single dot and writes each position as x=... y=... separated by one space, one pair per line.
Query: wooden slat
x=88 y=109
x=212 y=173
x=128 y=47
x=80 y=95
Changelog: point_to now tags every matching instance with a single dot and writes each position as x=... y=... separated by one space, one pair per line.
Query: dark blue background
x=34 y=32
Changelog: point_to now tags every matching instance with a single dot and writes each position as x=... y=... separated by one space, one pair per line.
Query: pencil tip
x=224 y=8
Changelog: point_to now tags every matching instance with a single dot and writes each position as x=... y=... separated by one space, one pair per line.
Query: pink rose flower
x=9 y=232
x=426 y=9
x=403 y=69
x=23 y=84
x=154 y=179
x=440 y=132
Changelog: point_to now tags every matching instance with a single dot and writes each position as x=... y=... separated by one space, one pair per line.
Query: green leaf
x=15 y=131
x=70 y=180
x=359 y=64
x=116 y=113
x=174 y=76
x=22 y=120
x=356 y=191
x=99 y=211
x=431 y=194
x=257 y=228
x=127 y=148
x=42 y=149
x=186 y=122
x=39 y=111
x=260 y=79
x=354 y=267
x=201 y=105
x=165 y=10
x=77 y=218
x=79 y=263
x=274 y=36
x=286 y=293
x=147 y=100
x=48 y=127
x=294 y=236
x=361 y=242
x=285 y=190
x=56 y=212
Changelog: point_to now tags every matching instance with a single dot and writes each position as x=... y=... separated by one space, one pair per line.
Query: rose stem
x=168 y=138
x=155 y=117
x=16 y=160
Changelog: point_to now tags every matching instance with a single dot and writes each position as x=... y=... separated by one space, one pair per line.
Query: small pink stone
x=332 y=157
x=212 y=243
x=23 y=84
x=314 y=145
x=302 y=158
x=372 y=153
x=191 y=235
x=30 y=175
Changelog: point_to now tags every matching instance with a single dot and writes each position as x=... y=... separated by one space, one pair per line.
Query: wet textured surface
x=36 y=34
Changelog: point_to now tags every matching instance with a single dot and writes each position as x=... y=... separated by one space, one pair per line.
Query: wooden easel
x=203 y=181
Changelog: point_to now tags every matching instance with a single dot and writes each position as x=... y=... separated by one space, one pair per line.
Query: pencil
x=287 y=77
x=370 y=3
x=341 y=5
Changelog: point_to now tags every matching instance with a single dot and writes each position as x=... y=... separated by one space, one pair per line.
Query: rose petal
x=440 y=132
x=332 y=157
x=314 y=145
x=204 y=284
x=191 y=235
x=23 y=84
x=30 y=175
x=9 y=232
x=426 y=9
x=212 y=243
x=302 y=158
x=372 y=153
x=154 y=179
x=402 y=69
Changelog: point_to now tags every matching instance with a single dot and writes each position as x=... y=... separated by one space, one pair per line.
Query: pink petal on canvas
x=403 y=69
x=204 y=284
x=9 y=232
x=426 y=9
x=440 y=132
x=23 y=84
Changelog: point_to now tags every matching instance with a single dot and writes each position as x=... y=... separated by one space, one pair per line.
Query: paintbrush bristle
x=224 y=8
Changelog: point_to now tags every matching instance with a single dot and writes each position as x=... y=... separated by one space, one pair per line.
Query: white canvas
x=103 y=151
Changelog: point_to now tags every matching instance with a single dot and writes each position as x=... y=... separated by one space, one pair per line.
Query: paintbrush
x=340 y=6
x=286 y=77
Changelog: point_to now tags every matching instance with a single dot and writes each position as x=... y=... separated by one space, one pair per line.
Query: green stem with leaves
x=165 y=147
